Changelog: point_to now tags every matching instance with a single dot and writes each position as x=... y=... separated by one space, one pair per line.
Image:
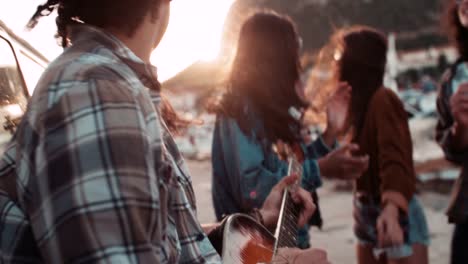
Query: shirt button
x=253 y=194
x=200 y=237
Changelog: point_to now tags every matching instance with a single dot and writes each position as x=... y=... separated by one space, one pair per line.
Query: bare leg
x=365 y=255
x=420 y=256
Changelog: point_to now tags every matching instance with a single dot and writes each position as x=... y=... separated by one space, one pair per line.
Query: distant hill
x=200 y=75
x=418 y=21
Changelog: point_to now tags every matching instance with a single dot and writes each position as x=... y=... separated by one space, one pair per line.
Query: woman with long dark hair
x=262 y=106
x=389 y=222
x=452 y=125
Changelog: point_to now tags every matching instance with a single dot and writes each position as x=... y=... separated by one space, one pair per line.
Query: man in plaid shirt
x=93 y=174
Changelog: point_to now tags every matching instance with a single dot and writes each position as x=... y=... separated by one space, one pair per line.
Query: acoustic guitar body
x=246 y=241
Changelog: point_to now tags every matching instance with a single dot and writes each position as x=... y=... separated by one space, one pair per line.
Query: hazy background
x=194 y=58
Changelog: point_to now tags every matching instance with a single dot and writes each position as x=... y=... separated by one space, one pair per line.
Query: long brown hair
x=457 y=33
x=264 y=73
x=361 y=54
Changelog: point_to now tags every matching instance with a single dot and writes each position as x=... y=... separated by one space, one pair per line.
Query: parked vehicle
x=21 y=66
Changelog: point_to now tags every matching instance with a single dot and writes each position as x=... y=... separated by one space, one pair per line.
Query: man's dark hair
x=458 y=34
x=125 y=15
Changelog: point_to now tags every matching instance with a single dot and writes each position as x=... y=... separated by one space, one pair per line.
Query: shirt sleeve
x=445 y=122
x=318 y=148
x=395 y=149
x=95 y=199
x=253 y=172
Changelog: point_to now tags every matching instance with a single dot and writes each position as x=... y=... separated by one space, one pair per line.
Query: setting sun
x=194 y=32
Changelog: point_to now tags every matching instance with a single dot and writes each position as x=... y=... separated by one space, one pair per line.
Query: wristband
x=257 y=215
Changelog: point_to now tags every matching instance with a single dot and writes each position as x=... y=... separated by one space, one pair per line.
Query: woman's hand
x=271 y=207
x=459 y=105
x=389 y=231
x=342 y=164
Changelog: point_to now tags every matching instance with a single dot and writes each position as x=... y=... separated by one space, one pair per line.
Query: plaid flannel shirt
x=458 y=208
x=92 y=174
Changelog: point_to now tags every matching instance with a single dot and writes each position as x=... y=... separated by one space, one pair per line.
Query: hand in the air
x=342 y=163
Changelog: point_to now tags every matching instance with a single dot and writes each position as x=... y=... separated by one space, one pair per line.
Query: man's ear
x=160 y=18
x=154 y=12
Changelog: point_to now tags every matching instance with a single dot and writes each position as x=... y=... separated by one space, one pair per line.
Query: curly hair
x=457 y=33
x=122 y=14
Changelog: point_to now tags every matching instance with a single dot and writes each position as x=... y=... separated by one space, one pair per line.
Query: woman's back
x=385 y=137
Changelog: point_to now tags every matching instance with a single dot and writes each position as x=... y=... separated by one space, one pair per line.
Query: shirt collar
x=146 y=72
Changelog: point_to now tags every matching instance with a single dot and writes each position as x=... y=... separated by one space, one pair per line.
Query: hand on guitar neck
x=287 y=207
x=271 y=207
x=247 y=242
x=292 y=255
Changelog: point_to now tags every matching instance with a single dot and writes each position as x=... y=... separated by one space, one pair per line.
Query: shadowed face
x=463 y=12
x=162 y=21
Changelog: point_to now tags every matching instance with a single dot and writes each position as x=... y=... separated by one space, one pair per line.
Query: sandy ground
x=337 y=237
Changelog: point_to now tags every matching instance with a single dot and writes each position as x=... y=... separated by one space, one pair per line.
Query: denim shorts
x=414 y=226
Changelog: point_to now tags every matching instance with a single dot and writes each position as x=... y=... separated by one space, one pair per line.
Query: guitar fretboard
x=287 y=231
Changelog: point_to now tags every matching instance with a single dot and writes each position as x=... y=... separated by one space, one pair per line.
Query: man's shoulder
x=85 y=79
x=97 y=64
x=76 y=71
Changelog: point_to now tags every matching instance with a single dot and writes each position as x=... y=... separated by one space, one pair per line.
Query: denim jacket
x=245 y=169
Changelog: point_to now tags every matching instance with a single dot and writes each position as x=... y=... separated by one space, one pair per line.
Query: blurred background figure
x=255 y=113
x=452 y=125
x=390 y=224
x=194 y=61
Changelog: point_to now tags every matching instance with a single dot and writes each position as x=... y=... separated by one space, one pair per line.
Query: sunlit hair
x=125 y=15
x=457 y=33
x=361 y=56
x=265 y=71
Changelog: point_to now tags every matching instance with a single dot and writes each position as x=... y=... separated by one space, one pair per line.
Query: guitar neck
x=246 y=241
x=286 y=230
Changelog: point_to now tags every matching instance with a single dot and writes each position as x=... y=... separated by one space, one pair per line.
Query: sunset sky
x=194 y=32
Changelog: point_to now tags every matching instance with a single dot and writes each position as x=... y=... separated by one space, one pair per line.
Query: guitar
x=245 y=241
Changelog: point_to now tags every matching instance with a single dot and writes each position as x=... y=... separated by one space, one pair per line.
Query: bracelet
x=255 y=213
